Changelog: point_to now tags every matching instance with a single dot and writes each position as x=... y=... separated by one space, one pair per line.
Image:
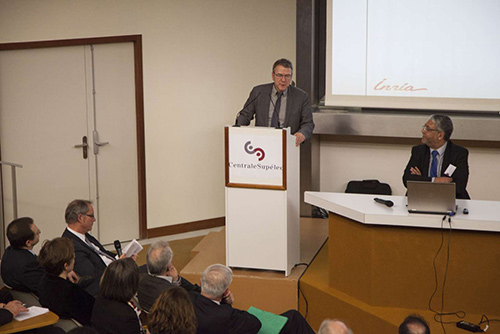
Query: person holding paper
x=215 y=314
x=438 y=159
x=91 y=258
x=279 y=105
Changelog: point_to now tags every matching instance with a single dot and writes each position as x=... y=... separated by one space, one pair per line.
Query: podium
x=262 y=198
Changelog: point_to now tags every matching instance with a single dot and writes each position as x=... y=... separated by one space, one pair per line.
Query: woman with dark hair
x=114 y=313
x=56 y=292
x=172 y=313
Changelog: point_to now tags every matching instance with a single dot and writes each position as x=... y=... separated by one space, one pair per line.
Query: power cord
x=307 y=267
x=438 y=316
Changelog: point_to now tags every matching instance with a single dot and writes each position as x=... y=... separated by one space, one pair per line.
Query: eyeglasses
x=281 y=76
x=428 y=129
x=90 y=216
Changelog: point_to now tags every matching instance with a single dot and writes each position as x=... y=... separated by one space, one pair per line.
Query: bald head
x=414 y=324
x=159 y=257
x=333 y=327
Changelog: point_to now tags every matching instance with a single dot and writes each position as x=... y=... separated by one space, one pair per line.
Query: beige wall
x=201 y=58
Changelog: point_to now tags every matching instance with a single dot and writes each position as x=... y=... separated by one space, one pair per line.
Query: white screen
x=432 y=54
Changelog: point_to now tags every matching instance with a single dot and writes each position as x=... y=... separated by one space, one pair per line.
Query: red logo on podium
x=257 y=151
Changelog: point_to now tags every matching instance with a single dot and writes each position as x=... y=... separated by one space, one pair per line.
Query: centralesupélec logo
x=257 y=151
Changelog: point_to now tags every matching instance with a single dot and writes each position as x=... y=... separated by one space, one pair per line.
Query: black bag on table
x=368 y=187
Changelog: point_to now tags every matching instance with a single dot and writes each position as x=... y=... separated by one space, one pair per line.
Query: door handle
x=84 y=146
x=97 y=143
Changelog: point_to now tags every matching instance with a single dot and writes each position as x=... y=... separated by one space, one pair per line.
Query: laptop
x=431 y=198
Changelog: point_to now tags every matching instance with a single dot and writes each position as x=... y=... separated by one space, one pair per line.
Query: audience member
x=329 y=326
x=172 y=313
x=66 y=299
x=438 y=159
x=114 y=312
x=414 y=324
x=20 y=268
x=214 y=313
x=162 y=275
x=91 y=258
x=9 y=308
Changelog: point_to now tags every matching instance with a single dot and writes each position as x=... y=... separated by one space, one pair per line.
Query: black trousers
x=296 y=324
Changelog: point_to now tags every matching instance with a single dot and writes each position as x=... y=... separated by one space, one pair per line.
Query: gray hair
x=159 y=256
x=215 y=280
x=76 y=208
x=326 y=327
x=444 y=124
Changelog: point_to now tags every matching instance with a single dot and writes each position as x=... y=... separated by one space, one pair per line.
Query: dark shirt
x=114 y=317
x=5 y=315
x=66 y=299
x=151 y=287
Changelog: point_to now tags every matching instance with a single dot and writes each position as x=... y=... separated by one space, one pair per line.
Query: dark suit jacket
x=222 y=319
x=88 y=263
x=114 y=317
x=150 y=288
x=5 y=315
x=66 y=299
x=20 y=270
x=298 y=109
x=454 y=154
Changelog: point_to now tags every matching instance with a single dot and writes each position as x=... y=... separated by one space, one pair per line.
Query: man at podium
x=279 y=105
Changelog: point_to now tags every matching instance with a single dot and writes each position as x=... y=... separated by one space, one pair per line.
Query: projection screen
x=407 y=54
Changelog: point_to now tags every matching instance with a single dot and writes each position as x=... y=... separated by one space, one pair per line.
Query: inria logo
x=258 y=151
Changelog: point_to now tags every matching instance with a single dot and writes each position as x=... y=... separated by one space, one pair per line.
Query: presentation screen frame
x=381 y=87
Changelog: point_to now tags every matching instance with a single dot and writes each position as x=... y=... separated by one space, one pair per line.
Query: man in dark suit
x=161 y=275
x=280 y=105
x=91 y=258
x=438 y=159
x=215 y=315
x=20 y=268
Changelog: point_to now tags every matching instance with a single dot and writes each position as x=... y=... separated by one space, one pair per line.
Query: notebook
x=431 y=198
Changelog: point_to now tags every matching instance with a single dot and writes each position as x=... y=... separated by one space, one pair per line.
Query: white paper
x=134 y=247
x=450 y=170
x=33 y=311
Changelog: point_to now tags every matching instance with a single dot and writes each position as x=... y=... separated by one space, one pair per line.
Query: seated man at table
x=215 y=314
x=161 y=275
x=438 y=159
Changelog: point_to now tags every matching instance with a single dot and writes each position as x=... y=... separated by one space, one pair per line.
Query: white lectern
x=262 y=198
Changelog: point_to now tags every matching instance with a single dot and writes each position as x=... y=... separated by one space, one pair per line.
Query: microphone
x=246 y=105
x=118 y=247
x=383 y=201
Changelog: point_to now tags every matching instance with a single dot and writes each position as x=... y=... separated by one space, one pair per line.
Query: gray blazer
x=298 y=109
